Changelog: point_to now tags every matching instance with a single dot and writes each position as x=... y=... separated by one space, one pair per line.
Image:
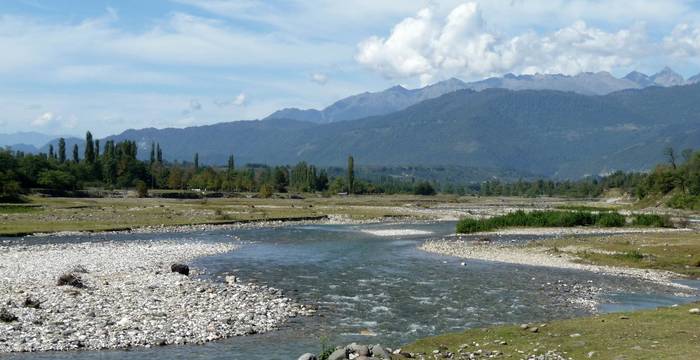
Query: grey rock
x=180 y=269
x=378 y=351
x=339 y=354
x=308 y=356
x=362 y=350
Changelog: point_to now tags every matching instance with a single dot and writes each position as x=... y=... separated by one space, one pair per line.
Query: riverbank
x=56 y=215
x=123 y=295
x=665 y=333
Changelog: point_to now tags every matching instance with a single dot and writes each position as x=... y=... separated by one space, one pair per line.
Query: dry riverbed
x=127 y=297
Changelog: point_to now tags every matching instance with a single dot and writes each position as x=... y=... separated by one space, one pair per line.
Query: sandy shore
x=130 y=298
x=538 y=256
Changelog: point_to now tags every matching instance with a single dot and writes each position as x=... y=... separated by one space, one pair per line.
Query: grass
x=652 y=220
x=666 y=333
x=100 y=214
x=585 y=208
x=676 y=252
x=541 y=219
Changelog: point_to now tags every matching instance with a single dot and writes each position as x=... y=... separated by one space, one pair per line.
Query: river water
x=374 y=289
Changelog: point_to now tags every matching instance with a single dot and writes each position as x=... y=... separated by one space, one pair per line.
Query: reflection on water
x=374 y=289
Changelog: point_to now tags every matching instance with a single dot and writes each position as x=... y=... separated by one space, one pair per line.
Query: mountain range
x=398 y=98
x=558 y=132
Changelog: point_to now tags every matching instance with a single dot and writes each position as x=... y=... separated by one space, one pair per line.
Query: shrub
x=424 y=188
x=652 y=220
x=611 y=219
x=266 y=191
x=141 y=188
x=541 y=219
x=684 y=201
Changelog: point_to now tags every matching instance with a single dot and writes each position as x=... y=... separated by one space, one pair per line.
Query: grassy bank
x=556 y=218
x=44 y=215
x=676 y=252
x=667 y=333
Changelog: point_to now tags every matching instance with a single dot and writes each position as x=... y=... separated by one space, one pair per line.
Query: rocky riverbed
x=122 y=295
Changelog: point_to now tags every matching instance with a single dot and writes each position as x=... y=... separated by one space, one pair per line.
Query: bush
x=652 y=220
x=611 y=219
x=541 y=219
x=684 y=201
x=141 y=188
x=266 y=191
x=424 y=188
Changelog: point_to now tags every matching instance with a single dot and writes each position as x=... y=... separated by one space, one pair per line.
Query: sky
x=72 y=65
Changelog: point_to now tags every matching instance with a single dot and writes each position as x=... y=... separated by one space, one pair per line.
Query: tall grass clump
x=541 y=219
x=652 y=220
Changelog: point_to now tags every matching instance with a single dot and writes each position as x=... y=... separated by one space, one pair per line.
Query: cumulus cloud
x=684 y=41
x=461 y=44
x=319 y=78
x=44 y=119
x=240 y=100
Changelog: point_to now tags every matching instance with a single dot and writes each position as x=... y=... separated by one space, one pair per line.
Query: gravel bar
x=126 y=296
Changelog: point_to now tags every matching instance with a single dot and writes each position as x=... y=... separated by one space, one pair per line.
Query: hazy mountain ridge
x=552 y=133
x=398 y=98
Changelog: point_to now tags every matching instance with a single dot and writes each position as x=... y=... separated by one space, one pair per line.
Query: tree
x=76 y=158
x=61 y=150
x=687 y=154
x=424 y=188
x=97 y=149
x=51 y=151
x=280 y=179
x=89 y=148
x=351 y=174
x=153 y=152
x=231 y=166
x=670 y=156
x=159 y=154
x=57 y=180
x=196 y=161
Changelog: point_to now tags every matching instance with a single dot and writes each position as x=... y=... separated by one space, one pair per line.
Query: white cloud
x=240 y=100
x=44 y=119
x=427 y=47
x=684 y=41
x=319 y=78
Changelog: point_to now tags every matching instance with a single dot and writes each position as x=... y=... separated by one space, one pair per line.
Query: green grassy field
x=666 y=333
x=678 y=252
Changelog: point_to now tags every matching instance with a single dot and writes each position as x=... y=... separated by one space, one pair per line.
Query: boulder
x=362 y=350
x=308 y=356
x=378 y=351
x=71 y=280
x=7 y=316
x=340 y=354
x=180 y=269
x=694 y=311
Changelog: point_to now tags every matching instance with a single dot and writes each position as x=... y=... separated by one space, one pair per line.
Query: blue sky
x=106 y=66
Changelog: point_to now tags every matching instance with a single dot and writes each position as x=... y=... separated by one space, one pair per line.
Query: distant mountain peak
x=668 y=77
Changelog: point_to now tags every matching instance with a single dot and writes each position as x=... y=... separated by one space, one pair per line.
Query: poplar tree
x=89 y=148
x=61 y=150
x=50 y=151
x=351 y=174
x=196 y=161
x=153 y=152
x=76 y=158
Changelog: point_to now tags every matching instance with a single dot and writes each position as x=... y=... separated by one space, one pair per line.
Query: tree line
x=115 y=165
